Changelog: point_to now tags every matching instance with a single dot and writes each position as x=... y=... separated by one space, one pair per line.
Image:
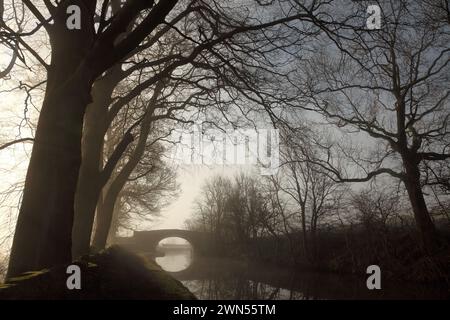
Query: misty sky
x=191 y=178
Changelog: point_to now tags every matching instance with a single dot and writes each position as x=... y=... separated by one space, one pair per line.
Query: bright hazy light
x=178 y=254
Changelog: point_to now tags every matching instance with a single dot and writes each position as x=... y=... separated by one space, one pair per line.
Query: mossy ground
x=112 y=274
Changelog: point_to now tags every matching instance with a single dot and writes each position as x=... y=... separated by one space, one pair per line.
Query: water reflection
x=230 y=279
x=176 y=254
x=215 y=289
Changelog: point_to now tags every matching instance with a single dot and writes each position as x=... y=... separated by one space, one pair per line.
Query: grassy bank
x=112 y=274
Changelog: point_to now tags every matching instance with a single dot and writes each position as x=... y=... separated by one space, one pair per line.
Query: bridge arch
x=146 y=241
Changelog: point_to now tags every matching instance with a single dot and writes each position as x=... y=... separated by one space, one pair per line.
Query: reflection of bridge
x=146 y=241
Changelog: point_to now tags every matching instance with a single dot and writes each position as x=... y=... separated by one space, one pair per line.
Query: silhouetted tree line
x=252 y=217
x=234 y=211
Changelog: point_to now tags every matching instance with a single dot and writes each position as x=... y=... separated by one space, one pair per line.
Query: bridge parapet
x=146 y=241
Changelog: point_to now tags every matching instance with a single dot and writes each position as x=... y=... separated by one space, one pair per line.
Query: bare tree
x=236 y=211
x=159 y=183
x=212 y=207
x=79 y=56
x=222 y=82
x=376 y=209
x=306 y=184
x=151 y=188
x=389 y=85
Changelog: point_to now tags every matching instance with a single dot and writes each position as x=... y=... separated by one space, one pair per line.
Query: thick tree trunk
x=104 y=218
x=425 y=225
x=86 y=198
x=115 y=222
x=89 y=181
x=44 y=227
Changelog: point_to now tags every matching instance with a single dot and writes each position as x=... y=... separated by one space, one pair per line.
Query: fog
x=247 y=150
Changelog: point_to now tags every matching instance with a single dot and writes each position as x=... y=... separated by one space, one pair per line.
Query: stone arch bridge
x=203 y=243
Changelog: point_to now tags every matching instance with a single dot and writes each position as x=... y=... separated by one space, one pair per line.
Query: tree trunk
x=88 y=191
x=426 y=228
x=89 y=182
x=44 y=227
x=115 y=222
x=304 y=232
x=313 y=239
x=105 y=213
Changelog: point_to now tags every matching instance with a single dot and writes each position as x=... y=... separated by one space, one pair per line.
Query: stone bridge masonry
x=146 y=241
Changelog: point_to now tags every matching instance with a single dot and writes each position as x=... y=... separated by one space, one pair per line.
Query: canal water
x=232 y=279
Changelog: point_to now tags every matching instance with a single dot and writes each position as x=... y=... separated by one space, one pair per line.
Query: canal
x=212 y=278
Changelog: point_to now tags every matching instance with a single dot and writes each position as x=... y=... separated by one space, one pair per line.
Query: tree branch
x=8 y=144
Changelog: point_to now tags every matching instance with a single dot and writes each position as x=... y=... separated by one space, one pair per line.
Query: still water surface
x=230 y=279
